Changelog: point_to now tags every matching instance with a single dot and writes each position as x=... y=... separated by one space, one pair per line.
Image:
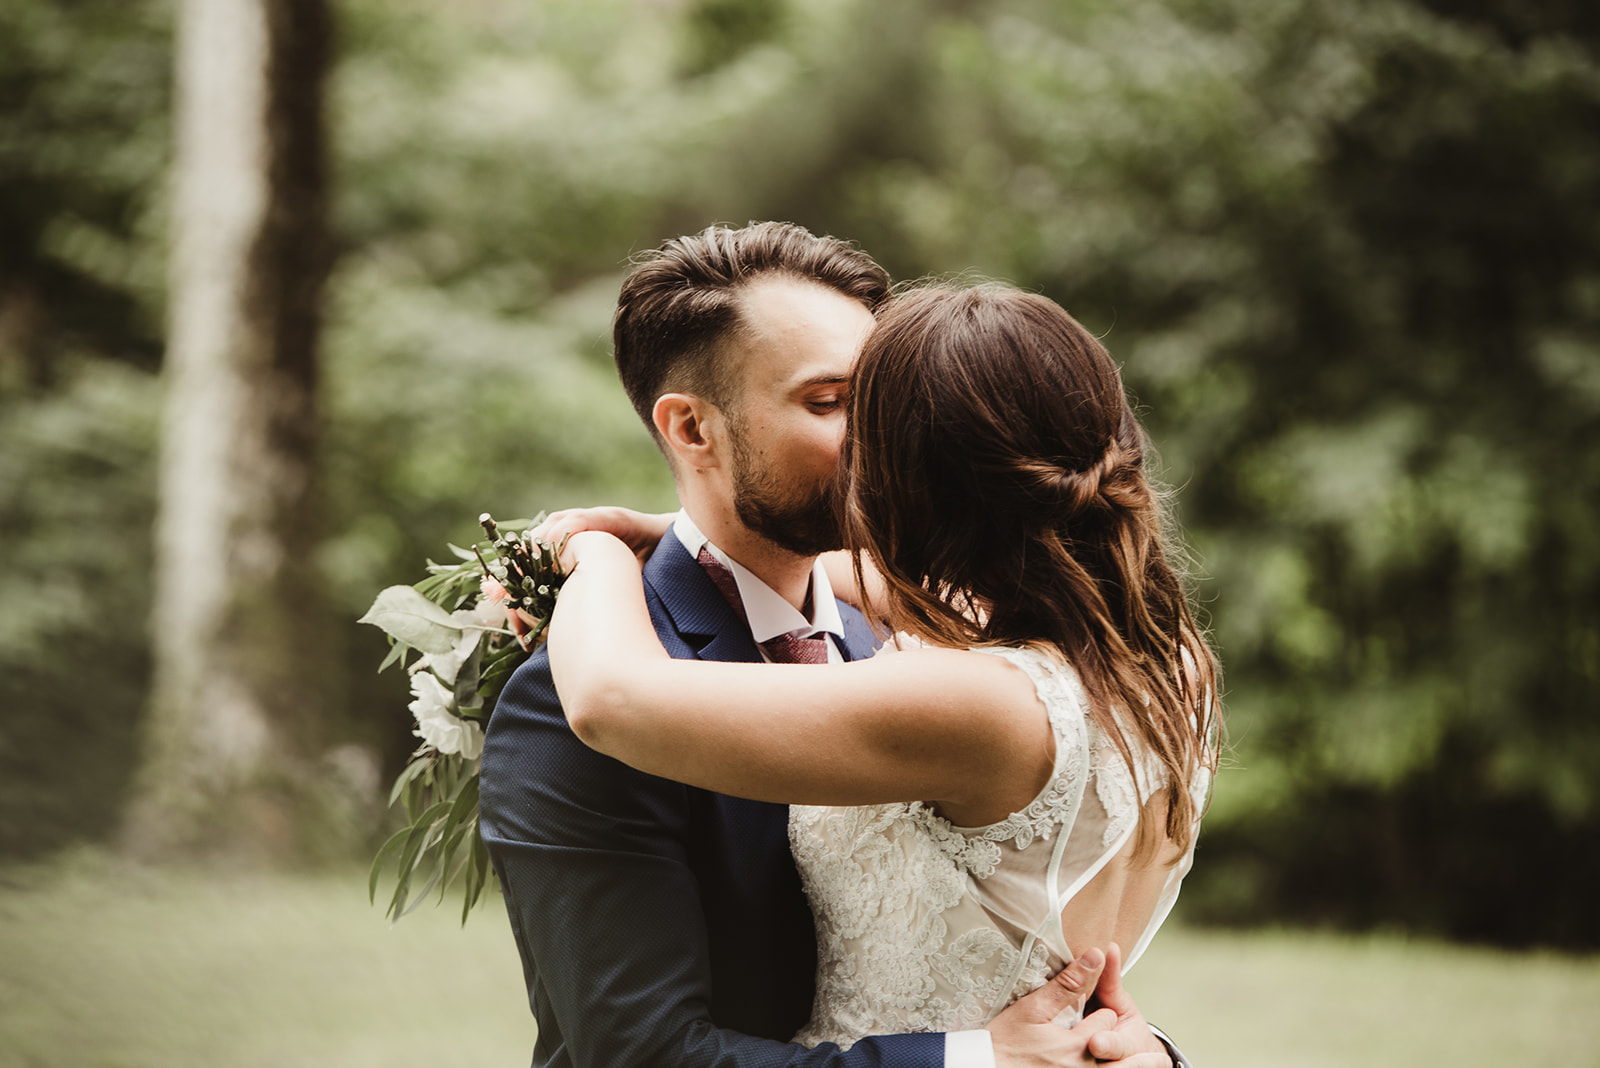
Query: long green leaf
x=467 y=800
x=397 y=651
x=463 y=816
x=467 y=676
x=477 y=874
x=408 y=616
x=384 y=853
x=417 y=766
x=412 y=855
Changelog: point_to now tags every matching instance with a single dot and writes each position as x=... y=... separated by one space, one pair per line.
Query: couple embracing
x=731 y=830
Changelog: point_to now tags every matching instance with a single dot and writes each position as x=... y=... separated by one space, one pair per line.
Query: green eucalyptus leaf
x=420 y=896
x=462 y=818
x=477 y=874
x=466 y=801
x=388 y=849
x=397 y=652
x=417 y=766
x=467 y=676
x=412 y=856
x=447 y=854
x=409 y=617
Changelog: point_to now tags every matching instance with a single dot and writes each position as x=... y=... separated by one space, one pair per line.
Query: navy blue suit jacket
x=659 y=924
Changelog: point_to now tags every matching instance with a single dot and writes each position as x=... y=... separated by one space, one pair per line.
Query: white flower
x=437 y=723
x=485 y=615
x=472 y=623
x=448 y=665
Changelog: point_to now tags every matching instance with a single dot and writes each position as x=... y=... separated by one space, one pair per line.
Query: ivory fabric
x=926 y=926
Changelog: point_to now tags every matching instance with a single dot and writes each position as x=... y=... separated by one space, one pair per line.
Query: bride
x=1020 y=775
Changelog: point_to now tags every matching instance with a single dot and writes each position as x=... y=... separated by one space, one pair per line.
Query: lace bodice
x=925 y=926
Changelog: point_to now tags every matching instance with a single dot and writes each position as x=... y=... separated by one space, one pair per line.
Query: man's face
x=788 y=416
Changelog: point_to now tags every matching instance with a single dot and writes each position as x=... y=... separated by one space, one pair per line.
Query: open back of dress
x=925 y=926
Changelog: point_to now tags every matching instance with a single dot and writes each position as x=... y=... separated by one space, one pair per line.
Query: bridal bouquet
x=455 y=622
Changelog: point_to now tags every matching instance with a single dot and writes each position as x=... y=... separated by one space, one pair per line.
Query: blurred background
x=1347 y=251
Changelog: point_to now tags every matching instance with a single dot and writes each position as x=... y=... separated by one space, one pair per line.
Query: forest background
x=1348 y=252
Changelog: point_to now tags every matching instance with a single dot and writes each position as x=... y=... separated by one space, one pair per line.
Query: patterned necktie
x=785 y=648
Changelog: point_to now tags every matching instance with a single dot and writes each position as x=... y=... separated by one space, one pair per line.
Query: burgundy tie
x=785 y=648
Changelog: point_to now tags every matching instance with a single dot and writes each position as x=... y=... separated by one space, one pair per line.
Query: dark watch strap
x=1178 y=1059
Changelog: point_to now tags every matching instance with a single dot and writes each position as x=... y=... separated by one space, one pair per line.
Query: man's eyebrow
x=824 y=380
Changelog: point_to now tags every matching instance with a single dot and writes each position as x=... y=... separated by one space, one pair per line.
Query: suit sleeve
x=593 y=860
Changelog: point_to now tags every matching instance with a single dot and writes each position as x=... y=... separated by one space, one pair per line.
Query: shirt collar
x=768 y=613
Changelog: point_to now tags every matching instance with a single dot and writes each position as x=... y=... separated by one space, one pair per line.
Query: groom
x=659 y=924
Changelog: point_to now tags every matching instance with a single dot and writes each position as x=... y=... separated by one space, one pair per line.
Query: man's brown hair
x=679 y=305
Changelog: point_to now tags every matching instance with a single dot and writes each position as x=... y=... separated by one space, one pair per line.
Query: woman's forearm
x=600 y=618
x=945 y=725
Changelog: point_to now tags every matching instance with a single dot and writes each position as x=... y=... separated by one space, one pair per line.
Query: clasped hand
x=1027 y=1032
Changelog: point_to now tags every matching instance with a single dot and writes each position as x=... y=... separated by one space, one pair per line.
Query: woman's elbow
x=593 y=712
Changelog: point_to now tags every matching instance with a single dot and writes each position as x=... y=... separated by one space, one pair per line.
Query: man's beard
x=800 y=519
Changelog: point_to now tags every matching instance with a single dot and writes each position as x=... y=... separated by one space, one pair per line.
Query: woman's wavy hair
x=996 y=476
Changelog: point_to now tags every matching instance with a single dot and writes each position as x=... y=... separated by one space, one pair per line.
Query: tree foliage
x=82 y=143
x=83 y=123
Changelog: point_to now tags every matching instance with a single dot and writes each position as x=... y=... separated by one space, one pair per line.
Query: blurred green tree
x=82 y=140
x=243 y=689
x=83 y=120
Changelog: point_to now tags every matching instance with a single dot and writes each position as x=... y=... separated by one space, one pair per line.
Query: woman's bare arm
x=930 y=724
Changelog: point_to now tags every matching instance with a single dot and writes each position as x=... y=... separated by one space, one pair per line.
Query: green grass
x=123 y=967
x=1298 y=1000
x=107 y=965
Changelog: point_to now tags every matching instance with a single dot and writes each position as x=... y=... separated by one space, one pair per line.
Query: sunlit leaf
x=406 y=615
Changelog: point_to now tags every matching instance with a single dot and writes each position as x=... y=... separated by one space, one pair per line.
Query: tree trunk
x=240 y=699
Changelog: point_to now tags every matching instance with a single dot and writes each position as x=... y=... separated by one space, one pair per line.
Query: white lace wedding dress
x=925 y=926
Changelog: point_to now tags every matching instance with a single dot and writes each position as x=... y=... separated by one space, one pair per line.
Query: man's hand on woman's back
x=1025 y=1034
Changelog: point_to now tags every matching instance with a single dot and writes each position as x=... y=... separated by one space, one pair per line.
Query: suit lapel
x=859 y=641
x=695 y=608
x=702 y=618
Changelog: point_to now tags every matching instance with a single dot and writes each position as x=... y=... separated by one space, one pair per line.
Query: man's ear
x=691 y=427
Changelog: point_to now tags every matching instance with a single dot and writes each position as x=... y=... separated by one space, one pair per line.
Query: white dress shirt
x=768 y=614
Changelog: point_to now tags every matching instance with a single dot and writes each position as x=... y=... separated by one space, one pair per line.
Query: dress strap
x=1065 y=817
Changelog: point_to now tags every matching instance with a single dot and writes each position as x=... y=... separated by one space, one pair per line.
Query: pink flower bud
x=493 y=592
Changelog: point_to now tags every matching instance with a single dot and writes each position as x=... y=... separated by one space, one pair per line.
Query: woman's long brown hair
x=996 y=477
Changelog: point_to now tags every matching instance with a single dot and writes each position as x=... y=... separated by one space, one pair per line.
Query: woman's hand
x=637 y=532
x=640 y=531
x=603 y=548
